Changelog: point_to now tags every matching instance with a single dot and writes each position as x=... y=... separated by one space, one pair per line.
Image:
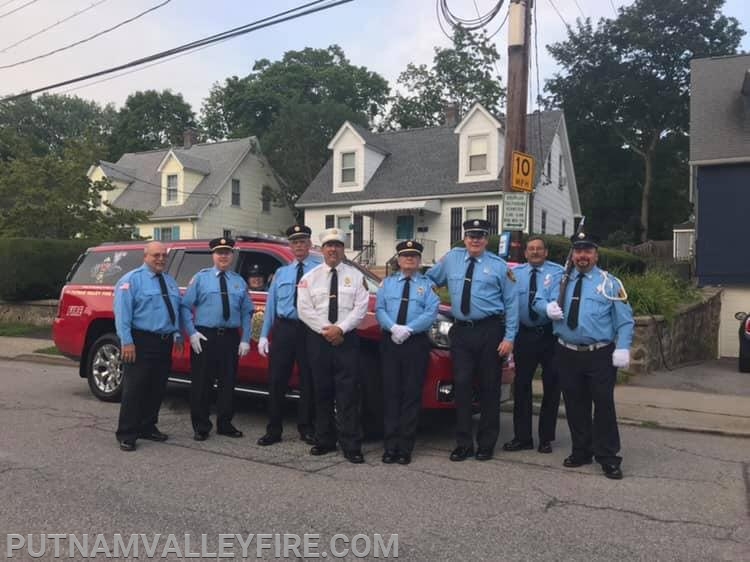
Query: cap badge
x=334 y=231
x=223 y=241
x=296 y=228
x=581 y=235
x=476 y=223
x=409 y=244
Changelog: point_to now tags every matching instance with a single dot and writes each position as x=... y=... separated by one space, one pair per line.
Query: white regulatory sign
x=515 y=210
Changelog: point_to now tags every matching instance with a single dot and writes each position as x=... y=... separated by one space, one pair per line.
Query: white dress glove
x=399 y=333
x=195 y=342
x=554 y=312
x=621 y=358
x=263 y=347
x=243 y=349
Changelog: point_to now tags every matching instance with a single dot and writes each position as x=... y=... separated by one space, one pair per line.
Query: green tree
x=150 y=120
x=463 y=74
x=625 y=88
x=294 y=106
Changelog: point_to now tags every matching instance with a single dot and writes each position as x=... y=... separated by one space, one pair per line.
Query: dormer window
x=478 y=154
x=348 y=167
x=171 y=188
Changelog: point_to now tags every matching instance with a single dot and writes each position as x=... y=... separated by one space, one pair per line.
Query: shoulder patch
x=125 y=286
x=192 y=279
x=510 y=275
x=302 y=284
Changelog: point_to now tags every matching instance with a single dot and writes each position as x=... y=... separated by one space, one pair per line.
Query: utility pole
x=519 y=27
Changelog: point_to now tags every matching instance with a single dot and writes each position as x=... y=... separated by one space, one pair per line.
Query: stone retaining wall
x=37 y=313
x=691 y=336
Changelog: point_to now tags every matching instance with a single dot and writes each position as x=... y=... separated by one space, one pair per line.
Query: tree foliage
x=463 y=74
x=625 y=91
x=294 y=106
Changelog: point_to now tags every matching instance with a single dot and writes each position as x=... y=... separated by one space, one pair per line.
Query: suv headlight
x=439 y=332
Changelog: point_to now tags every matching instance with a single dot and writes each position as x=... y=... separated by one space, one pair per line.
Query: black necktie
x=575 y=304
x=300 y=273
x=404 y=303
x=165 y=296
x=466 y=294
x=333 y=298
x=224 y=295
x=532 y=293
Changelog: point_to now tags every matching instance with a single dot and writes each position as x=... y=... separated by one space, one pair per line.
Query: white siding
x=348 y=142
x=733 y=299
x=550 y=196
x=478 y=124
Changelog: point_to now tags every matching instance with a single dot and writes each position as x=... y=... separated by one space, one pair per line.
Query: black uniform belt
x=543 y=329
x=146 y=333
x=217 y=331
x=485 y=320
x=290 y=320
x=589 y=347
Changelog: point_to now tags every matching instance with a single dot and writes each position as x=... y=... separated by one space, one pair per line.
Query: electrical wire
x=551 y=3
x=59 y=22
x=479 y=22
x=611 y=3
x=579 y=8
x=538 y=93
x=247 y=28
x=497 y=69
x=87 y=39
x=6 y=3
x=14 y=10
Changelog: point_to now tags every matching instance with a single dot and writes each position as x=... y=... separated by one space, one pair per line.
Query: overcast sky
x=382 y=35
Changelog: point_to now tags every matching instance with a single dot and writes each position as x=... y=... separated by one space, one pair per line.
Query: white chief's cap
x=332 y=235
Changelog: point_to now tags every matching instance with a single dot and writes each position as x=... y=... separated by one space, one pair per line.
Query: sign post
x=515 y=211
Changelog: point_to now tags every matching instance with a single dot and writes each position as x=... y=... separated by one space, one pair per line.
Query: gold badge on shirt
x=347 y=281
x=511 y=276
x=420 y=291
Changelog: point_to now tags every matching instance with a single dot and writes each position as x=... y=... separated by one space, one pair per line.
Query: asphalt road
x=685 y=496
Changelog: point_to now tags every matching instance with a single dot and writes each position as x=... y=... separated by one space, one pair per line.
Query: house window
x=266 y=199
x=330 y=221
x=474 y=214
x=404 y=227
x=561 y=173
x=478 y=154
x=172 y=187
x=345 y=224
x=548 y=168
x=348 y=167
x=235 y=193
x=544 y=221
x=166 y=233
x=564 y=225
x=493 y=216
x=456 y=213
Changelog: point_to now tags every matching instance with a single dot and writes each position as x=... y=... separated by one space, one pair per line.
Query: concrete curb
x=42 y=358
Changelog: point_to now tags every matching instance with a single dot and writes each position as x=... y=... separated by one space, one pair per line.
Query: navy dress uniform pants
x=290 y=347
x=474 y=354
x=217 y=362
x=335 y=373
x=534 y=347
x=143 y=384
x=404 y=367
x=588 y=378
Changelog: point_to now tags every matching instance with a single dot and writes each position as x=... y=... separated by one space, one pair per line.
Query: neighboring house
x=198 y=190
x=423 y=183
x=720 y=175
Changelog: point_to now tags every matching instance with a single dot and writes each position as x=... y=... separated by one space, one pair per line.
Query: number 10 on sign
x=522 y=176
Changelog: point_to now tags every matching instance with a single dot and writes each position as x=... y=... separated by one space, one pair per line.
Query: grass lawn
x=52 y=350
x=18 y=329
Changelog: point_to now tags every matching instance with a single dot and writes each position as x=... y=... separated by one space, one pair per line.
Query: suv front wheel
x=104 y=370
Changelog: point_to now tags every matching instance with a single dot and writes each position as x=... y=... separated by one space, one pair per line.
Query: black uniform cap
x=255 y=271
x=298 y=231
x=409 y=247
x=476 y=226
x=583 y=240
x=221 y=244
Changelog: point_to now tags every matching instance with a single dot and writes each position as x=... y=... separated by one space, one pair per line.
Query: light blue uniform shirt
x=492 y=289
x=599 y=319
x=280 y=300
x=548 y=274
x=423 y=302
x=204 y=293
x=139 y=304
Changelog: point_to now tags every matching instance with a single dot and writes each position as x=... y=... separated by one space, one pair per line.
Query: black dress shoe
x=230 y=431
x=200 y=435
x=390 y=456
x=572 y=462
x=404 y=458
x=612 y=471
x=545 y=447
x=268 y=439
x=127 y=445
x=484 y=454
x=154 y=435
x=517 y=445
x=462 y=453
x=307 y=437
x=354 y=457
x=318 y=450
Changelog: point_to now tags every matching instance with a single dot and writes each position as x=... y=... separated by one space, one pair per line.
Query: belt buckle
x=220 y=331
x=469 y=323
x=165 y=337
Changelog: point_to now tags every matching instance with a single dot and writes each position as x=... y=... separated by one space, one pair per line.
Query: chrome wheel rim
x=106 y=368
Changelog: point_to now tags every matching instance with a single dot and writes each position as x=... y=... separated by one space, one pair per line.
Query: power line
x=6 y=3
x=611 y=3
x=70 y=17
x=247 y=28
x=14 y=10
x=497 y=69
x=579 y=8
x=87 y=39
x=551 y=3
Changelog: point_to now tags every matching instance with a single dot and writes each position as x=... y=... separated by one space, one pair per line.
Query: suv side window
x=266 y=263
x=188 y=264
x=106 y=268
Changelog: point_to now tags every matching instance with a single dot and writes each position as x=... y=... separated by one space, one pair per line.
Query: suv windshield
x=106 y=268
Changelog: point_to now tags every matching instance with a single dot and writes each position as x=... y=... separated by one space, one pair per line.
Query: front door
x=404 y=227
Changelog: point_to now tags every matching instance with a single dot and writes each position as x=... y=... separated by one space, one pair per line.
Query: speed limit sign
x=522 y=173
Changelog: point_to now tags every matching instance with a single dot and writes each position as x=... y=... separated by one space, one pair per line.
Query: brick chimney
x=189 y=138
x=451 y=113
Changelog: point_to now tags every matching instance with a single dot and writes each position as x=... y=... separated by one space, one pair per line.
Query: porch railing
x=366 y=256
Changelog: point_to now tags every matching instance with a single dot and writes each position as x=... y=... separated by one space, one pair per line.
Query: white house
x=423 y=183
x=198 y=190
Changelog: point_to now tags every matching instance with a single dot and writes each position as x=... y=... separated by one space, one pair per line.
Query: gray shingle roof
x=422 y=163
x=719 y=113
x=192 y=162
x=114 y=172
x=144 y=194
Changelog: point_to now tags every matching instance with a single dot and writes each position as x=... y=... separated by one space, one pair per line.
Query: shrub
x=33 y=269
x=658 y=292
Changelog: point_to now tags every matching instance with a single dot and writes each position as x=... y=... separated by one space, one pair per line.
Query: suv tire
x=103 y=368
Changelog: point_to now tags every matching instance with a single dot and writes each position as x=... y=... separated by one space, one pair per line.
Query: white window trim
x=353 y=168
x=239 y=193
